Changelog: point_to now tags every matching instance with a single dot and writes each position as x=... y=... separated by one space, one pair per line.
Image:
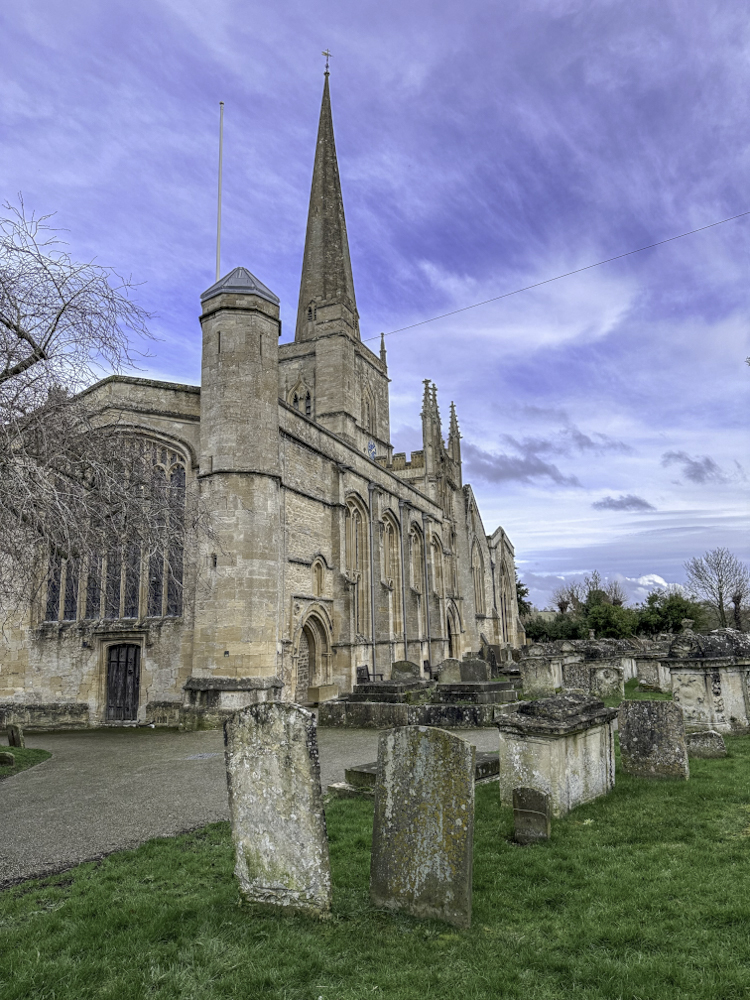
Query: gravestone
x=422 y=842
x=449 y=672
x=276 y=807
x=15 y=737
x=706 y=744
x=652 y=739
x=405 y=670
x=473 y=671
x=532 y=815
x=7 y=760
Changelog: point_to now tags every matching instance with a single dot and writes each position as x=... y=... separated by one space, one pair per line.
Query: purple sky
x=482 y=147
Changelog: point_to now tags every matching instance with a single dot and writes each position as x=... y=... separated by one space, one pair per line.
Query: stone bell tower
x=238 y=594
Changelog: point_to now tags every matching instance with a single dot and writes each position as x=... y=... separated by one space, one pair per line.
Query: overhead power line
x=547 y=281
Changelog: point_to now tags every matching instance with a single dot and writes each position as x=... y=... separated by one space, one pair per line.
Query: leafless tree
x=615 y=592
x=71 y=486
x=719 y=579
x=568 y=596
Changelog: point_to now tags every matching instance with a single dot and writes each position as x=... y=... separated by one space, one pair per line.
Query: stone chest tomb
x=563 y=746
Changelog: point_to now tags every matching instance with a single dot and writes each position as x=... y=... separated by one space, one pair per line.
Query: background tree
x=525 y=607
x=719 y=579
x=71 y=486
x=664 y=611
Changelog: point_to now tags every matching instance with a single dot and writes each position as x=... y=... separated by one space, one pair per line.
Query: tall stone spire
x=326 y=298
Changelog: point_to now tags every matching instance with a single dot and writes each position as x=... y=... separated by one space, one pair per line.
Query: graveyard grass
x=642 y=894
x=24 y=758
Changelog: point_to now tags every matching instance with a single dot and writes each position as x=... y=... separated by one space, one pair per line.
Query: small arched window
x=308 y=405
x=318 y=578
x=295 y=401
x=309 y=314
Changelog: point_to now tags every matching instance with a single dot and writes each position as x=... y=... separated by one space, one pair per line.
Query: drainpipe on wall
x=371 y=489
x=426 y=590
x=401 y=505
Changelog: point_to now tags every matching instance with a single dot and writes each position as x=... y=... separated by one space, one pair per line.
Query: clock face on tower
x=371 y=450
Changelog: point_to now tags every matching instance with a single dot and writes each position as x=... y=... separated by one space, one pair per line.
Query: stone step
x=362 y=777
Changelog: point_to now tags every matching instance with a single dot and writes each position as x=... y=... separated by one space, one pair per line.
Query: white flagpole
x=218 y=219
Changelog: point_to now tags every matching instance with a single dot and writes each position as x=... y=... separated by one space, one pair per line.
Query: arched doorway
x=305 y=663
x=452 y=638
x=123 y=682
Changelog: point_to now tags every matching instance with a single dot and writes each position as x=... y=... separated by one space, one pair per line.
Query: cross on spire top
x=327 y=54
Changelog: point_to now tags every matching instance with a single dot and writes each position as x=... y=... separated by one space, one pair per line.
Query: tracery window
x=126 y=582
x=477 y=572
x=436 y=550
x=392 y=569
x=356 y=561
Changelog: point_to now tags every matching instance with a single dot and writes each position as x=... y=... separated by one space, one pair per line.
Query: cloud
x=568 y=441
x=697 y=470
x=503 y=468
x=629 y=502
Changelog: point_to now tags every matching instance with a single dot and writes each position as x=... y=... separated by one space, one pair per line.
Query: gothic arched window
x=308 y=405
x=357 y=561
x=477 y=573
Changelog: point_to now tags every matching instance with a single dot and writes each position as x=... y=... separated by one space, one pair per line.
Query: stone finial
x=592 y=634
x=276 y=807
x=423 y=831
x=687 y=624
x=382 y=349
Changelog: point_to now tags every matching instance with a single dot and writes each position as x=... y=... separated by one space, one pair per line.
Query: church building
x=328 y=553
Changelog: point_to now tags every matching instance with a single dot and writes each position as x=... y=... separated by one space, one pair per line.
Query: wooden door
x=123 y=682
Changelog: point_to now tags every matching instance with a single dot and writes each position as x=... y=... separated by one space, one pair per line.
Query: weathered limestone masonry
x=599 y=666
x=423 y=831
x=408 y=700
x=276 y=806
x=563 y=746
x=652 y=739
x=707 y=744
x=328 y=552
x=711 y=679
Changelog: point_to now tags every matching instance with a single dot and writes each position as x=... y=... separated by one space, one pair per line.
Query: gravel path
x=111 y=789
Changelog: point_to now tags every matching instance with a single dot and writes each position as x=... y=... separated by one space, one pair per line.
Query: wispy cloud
x=698 y=470
x=629 y=502
x=503 y=468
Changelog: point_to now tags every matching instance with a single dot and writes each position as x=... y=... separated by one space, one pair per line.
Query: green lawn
x=644 y=894
x=24 y=759
x=634 y=693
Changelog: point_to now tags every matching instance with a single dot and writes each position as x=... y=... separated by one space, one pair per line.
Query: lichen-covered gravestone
x=405 y=670
x=532 y=815
x=276 y=807
x=708 y=744
x=652 y=739
x=449 y=671
x=422 y=842
x=15 y=737
x=7 y=759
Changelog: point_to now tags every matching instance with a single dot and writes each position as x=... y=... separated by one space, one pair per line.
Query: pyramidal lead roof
x=326 y=299
x=240 y=282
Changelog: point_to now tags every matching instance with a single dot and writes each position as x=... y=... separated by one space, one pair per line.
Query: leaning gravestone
x=276 y=807
x=652 y=739
x=422 y=842
x=405 y=670
x=532 y=815
x=15 y=737
x=707 y=744
x=7 y=760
